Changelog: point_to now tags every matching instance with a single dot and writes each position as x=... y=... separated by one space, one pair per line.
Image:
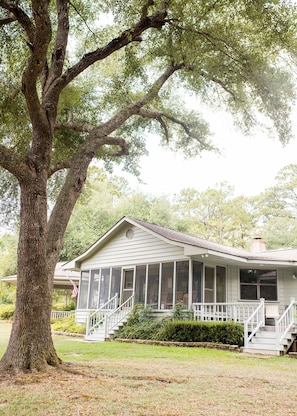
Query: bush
x=193 y=331
x=68 y=325
x=181 y=313
x=6 y=312
x=140 y=324
x=143 y=330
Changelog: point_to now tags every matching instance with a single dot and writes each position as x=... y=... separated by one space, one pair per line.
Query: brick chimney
x=257 y=245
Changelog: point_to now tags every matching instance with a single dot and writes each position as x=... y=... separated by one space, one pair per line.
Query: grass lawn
x=122 y=379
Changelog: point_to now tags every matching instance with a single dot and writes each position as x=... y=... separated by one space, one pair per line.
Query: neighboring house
x=62 y=278
x=136 y=261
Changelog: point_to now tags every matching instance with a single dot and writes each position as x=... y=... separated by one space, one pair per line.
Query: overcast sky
x=250 y=164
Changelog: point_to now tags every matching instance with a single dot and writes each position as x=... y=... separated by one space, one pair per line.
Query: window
x=256 y=284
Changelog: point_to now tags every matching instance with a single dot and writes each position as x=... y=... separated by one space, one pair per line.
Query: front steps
x=98 y=334
x=265 y=342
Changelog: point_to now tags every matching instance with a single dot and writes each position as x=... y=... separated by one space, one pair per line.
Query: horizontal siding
x=142 y=248
x=287 y=285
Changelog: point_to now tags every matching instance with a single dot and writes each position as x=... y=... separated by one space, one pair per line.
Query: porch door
x=128 y=283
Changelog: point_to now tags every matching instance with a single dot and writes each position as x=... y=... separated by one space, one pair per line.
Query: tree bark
x=30 y=346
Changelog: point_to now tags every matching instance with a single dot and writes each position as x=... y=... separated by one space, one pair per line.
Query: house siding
x=142 y=248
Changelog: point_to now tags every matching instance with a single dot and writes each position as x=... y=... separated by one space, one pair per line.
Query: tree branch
x=7 y=20
x=59 y=166
x=122 y=115
x=156 y=20
x=157 y=115
x=134 y=108
x=116 y=141
x=21 y=17
x=13 y=163
x=59 y=52
x=75 y=126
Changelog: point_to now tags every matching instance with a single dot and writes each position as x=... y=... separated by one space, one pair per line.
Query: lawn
x=123 y=379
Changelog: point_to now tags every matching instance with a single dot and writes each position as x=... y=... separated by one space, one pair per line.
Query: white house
x=136 y=261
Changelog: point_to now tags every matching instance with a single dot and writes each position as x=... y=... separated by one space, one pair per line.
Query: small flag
x=74 y=288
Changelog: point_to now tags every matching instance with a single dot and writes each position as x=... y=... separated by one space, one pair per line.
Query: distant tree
x=104 y=201
x=276 y=210
x=8 y=254
x=216 y=215
x=85 y=80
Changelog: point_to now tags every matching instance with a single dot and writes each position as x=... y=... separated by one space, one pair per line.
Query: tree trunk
x=30 y=346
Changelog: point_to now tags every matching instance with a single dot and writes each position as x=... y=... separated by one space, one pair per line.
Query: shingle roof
x=179 y=237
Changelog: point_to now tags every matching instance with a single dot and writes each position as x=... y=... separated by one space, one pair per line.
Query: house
x=136 y=261
x=63 y=279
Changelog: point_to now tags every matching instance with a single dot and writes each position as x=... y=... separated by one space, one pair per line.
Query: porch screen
x=256 y=284
x=220 y=284
x=182 y=282
x=83 y=290
x=115 y=285
x=140 y=284
x=197 y=278
x=153 y=285
x=167 y=285
x=94 y=289
x=104 y=286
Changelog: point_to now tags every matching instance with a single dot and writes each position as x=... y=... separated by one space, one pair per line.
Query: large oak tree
x=81 y=80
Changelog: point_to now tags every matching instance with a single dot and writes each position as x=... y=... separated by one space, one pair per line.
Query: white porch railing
x=286 y=322
x=236 y=312
x=96 y=318
x=254 y=322
x=118 y=315
x=61 y=314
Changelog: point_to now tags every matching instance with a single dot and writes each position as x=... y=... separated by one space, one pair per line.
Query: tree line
x=215 y=214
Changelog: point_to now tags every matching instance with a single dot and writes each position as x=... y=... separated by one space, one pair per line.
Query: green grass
x=126 y=379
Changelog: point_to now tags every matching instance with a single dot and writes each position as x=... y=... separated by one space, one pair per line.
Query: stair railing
x=254 y=322
x=116 y=316
x=97 y=317
x=285 y=322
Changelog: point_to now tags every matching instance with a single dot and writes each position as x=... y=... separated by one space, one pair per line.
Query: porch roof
x=61 y=278
x=192 y=246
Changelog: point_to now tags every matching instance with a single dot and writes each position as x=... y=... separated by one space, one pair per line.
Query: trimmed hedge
x=197 y=331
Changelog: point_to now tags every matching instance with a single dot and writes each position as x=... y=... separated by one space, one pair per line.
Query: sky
x=248 y=163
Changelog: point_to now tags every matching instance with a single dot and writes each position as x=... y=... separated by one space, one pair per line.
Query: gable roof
x=192 y=245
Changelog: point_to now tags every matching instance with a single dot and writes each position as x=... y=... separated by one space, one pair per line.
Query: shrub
x=6 y=312
x=144 y=330
x=140 y=324
x=181 y=313
x=68 y=325
x=139 y=314
x=193 y=331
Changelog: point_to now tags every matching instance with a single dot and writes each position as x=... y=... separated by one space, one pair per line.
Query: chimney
x=257 y=245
